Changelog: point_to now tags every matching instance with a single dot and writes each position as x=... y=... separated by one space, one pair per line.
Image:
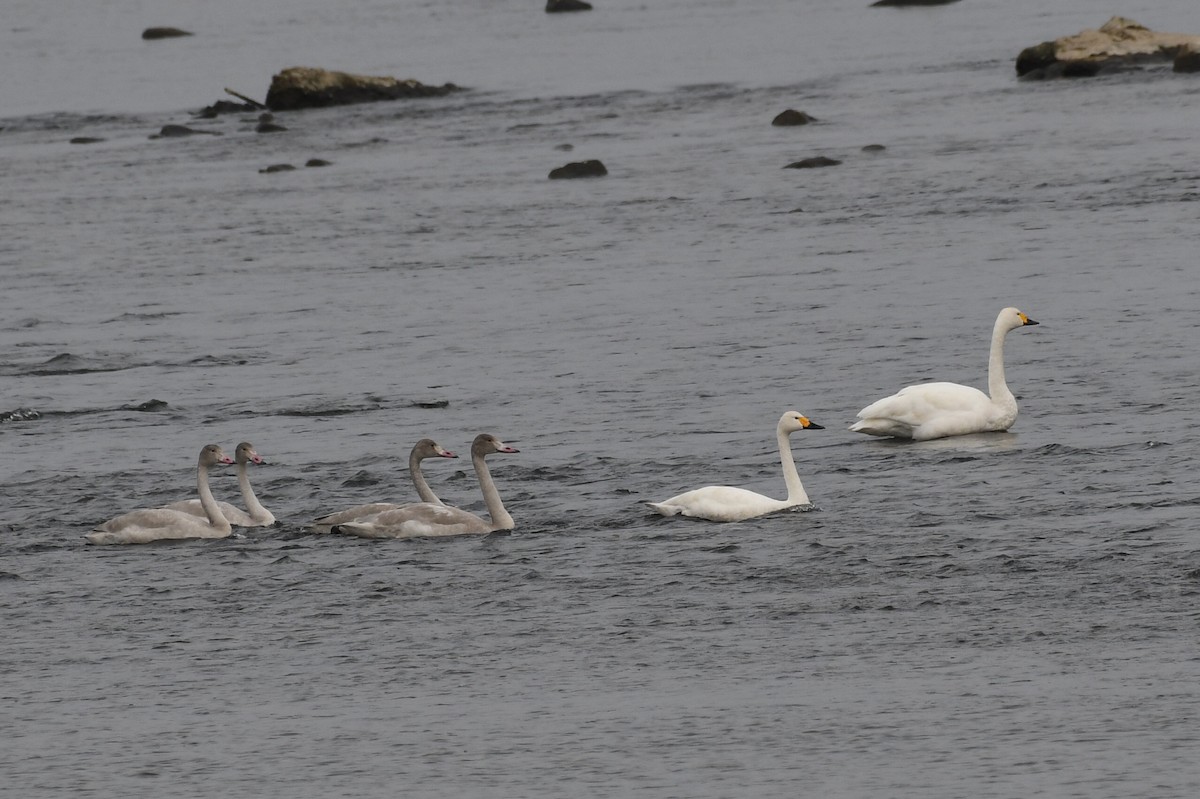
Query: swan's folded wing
x=918 y=404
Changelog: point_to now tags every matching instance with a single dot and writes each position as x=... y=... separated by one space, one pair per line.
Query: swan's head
x=428 y=448
x=792 y=421
x=245 y=454
x=1011 y=319
x=212 y=454
x=486 y=444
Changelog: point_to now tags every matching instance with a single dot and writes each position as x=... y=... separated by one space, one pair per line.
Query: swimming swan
x=729 y=504
x=425 y=448
x=429 y=519
x=258 y=516
x=937 y=410
x=143 y=526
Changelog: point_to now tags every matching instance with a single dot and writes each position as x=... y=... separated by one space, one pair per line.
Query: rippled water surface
x=990 y=616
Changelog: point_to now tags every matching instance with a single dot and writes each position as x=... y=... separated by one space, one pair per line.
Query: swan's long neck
x=423 y=490
x=997 y=387
x=501 y=520
x=796 y=493
x=211 y=509
x=253 y=506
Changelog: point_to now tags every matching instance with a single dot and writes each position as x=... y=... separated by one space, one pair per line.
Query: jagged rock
x=1118 y=44
x=579 y=169
x=559 y=6
x=813 y=163
x=792 y=117
x=164 y=33
x=1188 y=59
x=309 y=87
x=19 y=415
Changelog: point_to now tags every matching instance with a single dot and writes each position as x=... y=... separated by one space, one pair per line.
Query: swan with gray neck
x=427 y=519
x=255 y=514
x=157 y=524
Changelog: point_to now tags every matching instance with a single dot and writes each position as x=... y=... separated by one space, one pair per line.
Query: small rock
x=792 y=117
x=558 y=6
x=267 y=124
x=164 y=33
x=176 y=131
x=276 y=168
x=317 y=162
x=906 y=3
x=566 y=148
x=85 y=140
x=812 y=163
x=309 y=87
x=873 y=148
x=150 y=406
x=431 y=403
x=225 y=107
x=579 y=169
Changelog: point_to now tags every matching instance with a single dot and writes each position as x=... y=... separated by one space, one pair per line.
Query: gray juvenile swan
x=428 y=519
x=936 y=410
x=258 y=516
x=157 y=524
x=425 y=448
x=731 y=504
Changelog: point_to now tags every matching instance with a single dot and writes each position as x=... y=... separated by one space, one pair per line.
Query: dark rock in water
x=792 y=117
x=150 y=406
x=309 y=87
x=317 y=162
x=19 y=415
x=813 y=163
x=579 y=169
x=1188 y=59
x=164 y=33
x=176 y=131
x=1118 y=44
x=873 y=148
x=559 y=6
x=431 y=403
x=267 y=124
x=566 y=148
x=907 y=3
x=85 y=140
x=276 y=168
x=226 y=107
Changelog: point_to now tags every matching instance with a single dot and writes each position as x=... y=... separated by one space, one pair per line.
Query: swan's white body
x=730 y=504
x=158 y=524
x=429 y=519
x=425 y=448
x=258 y=516
x=936 y=410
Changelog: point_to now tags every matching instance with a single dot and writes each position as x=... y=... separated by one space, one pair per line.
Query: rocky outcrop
x=1118 y=44
x=579 y=169
x=308 y=87
x=1188 y=59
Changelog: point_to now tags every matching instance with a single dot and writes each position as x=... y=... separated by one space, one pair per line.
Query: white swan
x=428 y=519
x=258 y=516
x=425 y=448
x=730 y=504
x=156 y=524
x=937 y=410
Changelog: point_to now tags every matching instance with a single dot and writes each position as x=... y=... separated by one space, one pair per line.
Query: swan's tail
x=664 y=509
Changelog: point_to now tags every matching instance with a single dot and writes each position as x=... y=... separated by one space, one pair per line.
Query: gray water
x=989 y=616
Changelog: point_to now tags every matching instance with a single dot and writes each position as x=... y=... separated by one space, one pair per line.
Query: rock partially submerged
x=559 y=6
x=164 y=33
x=309 y=87
x=792 y=117
x=579 y=169
x=907 y=3
x=1118 y=44
x=815 y=162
